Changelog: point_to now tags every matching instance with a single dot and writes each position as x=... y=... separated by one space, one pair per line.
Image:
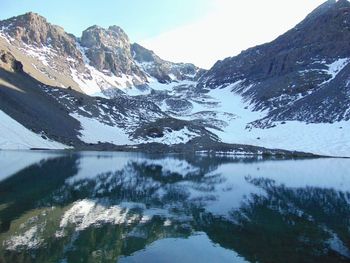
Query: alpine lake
x=71 y=207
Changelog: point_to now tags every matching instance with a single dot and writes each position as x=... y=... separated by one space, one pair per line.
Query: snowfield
x=96 y=82
x=94 y=131
x=220 y=107
x=330 y=139
x=173 y=137
x=16 y=136
x=235 y=114
x=322 y=138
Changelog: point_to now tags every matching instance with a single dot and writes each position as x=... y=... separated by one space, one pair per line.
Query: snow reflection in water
x=109 y=206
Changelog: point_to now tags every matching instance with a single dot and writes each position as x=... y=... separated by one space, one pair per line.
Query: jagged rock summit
x=100 y=62
x=291 y=93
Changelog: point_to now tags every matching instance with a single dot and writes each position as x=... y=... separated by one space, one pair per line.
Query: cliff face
x=296 y=75
x=33 y=29
x=109 y=50
x=292 y=93
x=101 y=61
x=162 y=70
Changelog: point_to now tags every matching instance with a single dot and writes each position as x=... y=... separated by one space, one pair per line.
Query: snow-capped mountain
x=303 y=75
x=291 y=93
x=97 y=63
x=161 y=70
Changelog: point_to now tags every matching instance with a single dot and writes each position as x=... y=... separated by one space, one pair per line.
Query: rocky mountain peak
x=307 y=63
x=112 y=38
x=117 y=30
x=142 y=54
x=322 y=9
x=99 y=53
x=326 y=9
x=109 y=50
x=34 y=30
x=164 y=71
x=33 y=18
x=325 y=33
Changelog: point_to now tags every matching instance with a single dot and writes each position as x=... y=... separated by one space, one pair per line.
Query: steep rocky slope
x=302 y=75
x=164 y=71
x=100 y=63
x=35 y=115
x=292 y=93
x=22 y=98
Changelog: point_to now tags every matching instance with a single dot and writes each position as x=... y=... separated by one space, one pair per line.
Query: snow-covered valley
x=117 y=93
x=110 y=153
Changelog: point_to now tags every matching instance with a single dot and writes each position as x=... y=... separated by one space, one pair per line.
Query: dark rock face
x=291 y=76
x=8 y=61
x=33 y=29
x=162 y=70
x=24 y=99
x=109 y=50
x=60 y=55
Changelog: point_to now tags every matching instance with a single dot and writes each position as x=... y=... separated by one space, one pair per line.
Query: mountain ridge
x=101 y=58
x=291 y=93
x=296 y=64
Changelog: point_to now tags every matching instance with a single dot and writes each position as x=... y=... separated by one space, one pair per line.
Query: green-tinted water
x=123 y=207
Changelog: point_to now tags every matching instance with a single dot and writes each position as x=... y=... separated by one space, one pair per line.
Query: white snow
x=87 y=212
x=326 y=139
x=88 y=86
x=172 y=137
x=95 y=82
x=13 y=136
x=94 y=131
x=335 y=67
x=90 y=165
x=28 y=239
x=5 y=36
x=155 y=85
x=323 y=138
x=44 y=54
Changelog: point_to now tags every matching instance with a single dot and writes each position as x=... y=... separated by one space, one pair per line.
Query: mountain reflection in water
x=128 y=207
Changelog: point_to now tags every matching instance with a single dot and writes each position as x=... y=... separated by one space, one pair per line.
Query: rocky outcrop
x=280 y=75
x=33 y=29
x=162 y=70
x=9 y=62
x=109 y=50
x=99 y=62
x=24 y=99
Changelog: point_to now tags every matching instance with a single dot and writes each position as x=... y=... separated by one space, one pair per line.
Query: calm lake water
x=127 y=207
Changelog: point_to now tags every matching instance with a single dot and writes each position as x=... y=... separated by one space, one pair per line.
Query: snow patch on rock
x=94 y=131
x=14 y=135
x=172 y=137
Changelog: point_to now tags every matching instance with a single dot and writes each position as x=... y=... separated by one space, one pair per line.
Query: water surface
x=128 y=207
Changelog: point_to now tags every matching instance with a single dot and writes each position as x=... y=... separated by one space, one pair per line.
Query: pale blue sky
x=141 y=19
x=197 y=31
